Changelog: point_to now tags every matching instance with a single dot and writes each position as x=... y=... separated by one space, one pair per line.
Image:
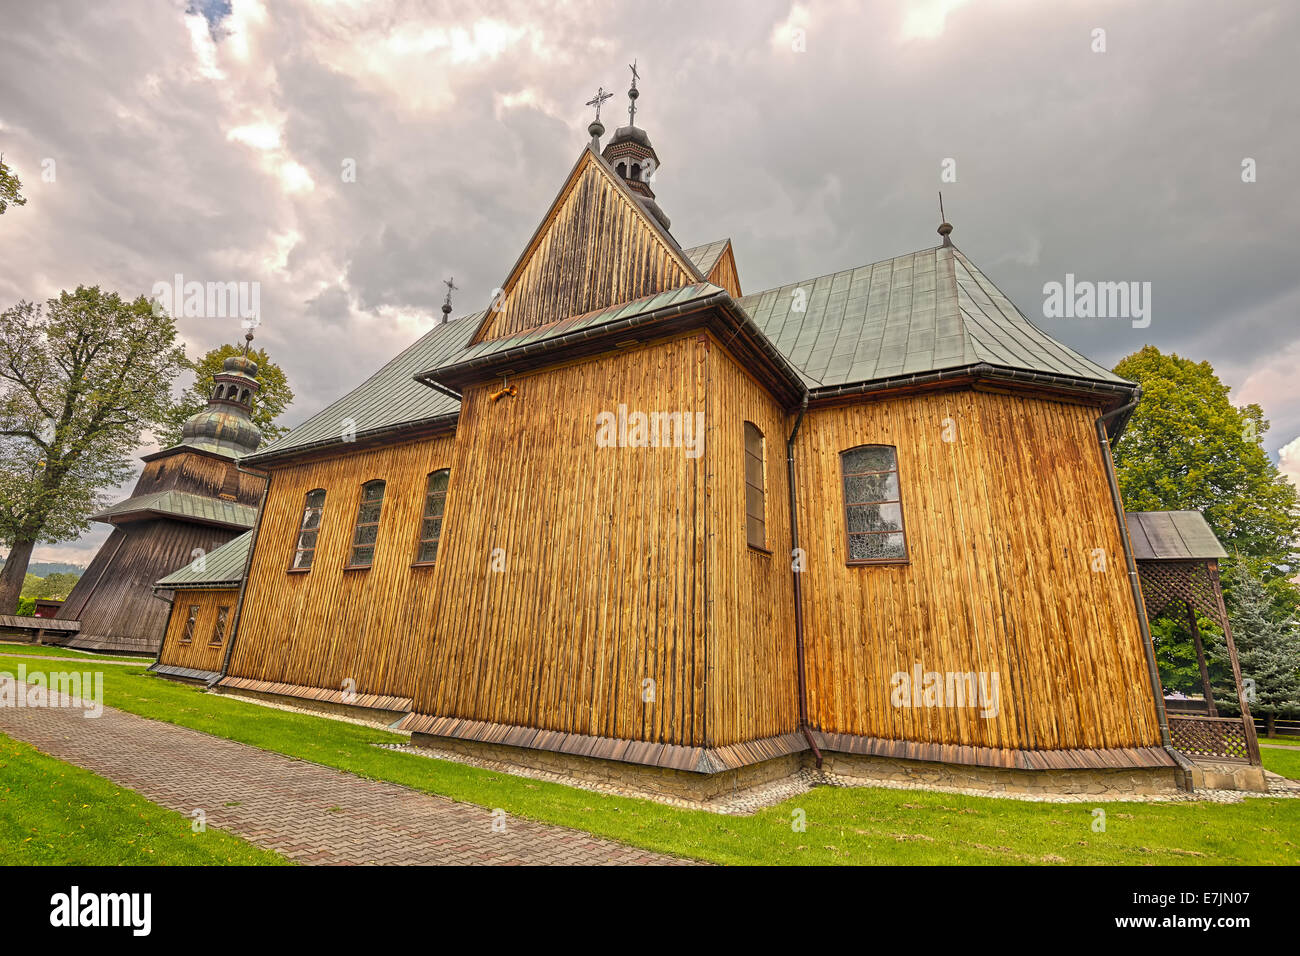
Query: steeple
x=226 y=425
x=632 y=156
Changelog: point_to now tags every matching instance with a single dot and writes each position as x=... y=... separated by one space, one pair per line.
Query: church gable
x=597 y=247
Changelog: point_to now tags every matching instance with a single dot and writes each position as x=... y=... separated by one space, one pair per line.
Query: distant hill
x=43 y=568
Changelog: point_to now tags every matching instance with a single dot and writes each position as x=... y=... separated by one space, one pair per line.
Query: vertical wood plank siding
x=114 y=599
x=595 y=250
x=197 y=654
x=200 y=474
x=752 y=672
x=603 y=554
x=1002 y=524
x=322 y=627
x=724 y=273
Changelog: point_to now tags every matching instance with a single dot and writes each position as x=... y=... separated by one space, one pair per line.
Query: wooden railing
x=1220 y=738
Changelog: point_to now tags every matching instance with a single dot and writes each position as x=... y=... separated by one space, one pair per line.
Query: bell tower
x=633 y=157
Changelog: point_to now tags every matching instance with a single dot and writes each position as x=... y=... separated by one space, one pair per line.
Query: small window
x=435 y=502
x=636 y=171
x=367 y=533
x=188 y=634
x=309 y=530
x=755 y=506
x=219 y=630
x=622 y=170
x=873 y=507
x=243 y=396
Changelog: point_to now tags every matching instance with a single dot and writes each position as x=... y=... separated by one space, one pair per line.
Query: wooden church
x=190 y=499
x=632 y=520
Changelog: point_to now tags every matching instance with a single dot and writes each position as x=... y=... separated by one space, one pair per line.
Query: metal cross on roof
x=632 y=94
x=446 y=303
x=596 y=101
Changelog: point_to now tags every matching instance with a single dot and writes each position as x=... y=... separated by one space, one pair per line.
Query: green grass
x=860 y=825
x=1282 y=760
x=1281 y=741
x=45 y=650
x=52 y=813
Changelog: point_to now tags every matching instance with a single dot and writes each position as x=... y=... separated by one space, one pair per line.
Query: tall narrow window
x=435 y=502
x=367 y=533
x=188 y=634
x=755 y=509
x=310 y=528
x=873 y=507
x=219 y=630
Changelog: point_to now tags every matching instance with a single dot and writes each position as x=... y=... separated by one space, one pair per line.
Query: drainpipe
x=797 y=575
x=248 y=561
x=1147 y=646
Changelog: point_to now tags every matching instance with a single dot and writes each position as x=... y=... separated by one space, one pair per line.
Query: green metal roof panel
x=184 y=505
x=922 y=312
x=225 y=565
x=705 y=257
x=389 y=398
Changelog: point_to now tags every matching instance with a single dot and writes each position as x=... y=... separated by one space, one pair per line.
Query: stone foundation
x=865 y=771
x=838 y=769
x=1228 y=776
x=374 y=716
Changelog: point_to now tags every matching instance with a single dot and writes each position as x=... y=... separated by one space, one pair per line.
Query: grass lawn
x=1281 y=741
x=869 y=825
x=45 y=650
x=1282 y=760
x=56 y=814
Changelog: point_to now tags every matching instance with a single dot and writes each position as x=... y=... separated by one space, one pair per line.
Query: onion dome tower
x=633 y=157
x=226 y=425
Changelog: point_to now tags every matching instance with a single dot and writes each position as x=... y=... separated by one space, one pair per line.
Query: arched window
x=305 y=550
x=873 y=506
x=636 y=171
x=243 y=396
x=367 y=532
x=755 y=505
x=435 y=502
x=622 y=170
x=219 y=392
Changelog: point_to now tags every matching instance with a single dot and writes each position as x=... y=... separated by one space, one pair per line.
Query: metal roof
x=706 y=256
x=928 y=311
x=1172 y=536
x=184 y=505
x=389 y=398
x=922 y=312
x=222 y=567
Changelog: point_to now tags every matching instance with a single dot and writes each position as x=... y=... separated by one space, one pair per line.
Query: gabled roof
x=223 y=567
x=1172 y=536
x=706 y=256
x=183 y=505
x=923 y=312
x=389 y=399
x=597 y=245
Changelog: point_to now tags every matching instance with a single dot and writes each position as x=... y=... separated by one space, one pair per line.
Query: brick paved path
x=309 y=813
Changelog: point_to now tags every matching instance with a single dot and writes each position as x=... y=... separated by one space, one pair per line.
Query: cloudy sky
x=210 y=138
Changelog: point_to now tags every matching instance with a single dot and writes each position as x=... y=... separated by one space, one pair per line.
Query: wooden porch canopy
x=1177 y=558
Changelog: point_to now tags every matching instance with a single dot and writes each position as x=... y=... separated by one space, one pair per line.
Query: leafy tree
x=80 y=379
x=56 y=587
x=9 y=188
x=1188 y=447
x=272 y=399
x=1268 y=649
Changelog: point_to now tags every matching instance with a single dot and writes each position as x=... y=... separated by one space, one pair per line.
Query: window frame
x=298 y=549
x=219 y=626
x=761 y=487
x=191 y=625
x=357 y=525
x=421 y=540
x=845 y=504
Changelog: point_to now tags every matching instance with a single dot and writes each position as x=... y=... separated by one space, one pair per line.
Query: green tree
x=80 y=380
x=1187 y=447
x=273 y=398
x=10 y=187
x=1268 y=648
x=57 y=586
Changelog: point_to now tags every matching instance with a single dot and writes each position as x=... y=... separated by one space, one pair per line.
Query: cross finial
x=632 y=94
x=598 y=100
x=446 y=303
